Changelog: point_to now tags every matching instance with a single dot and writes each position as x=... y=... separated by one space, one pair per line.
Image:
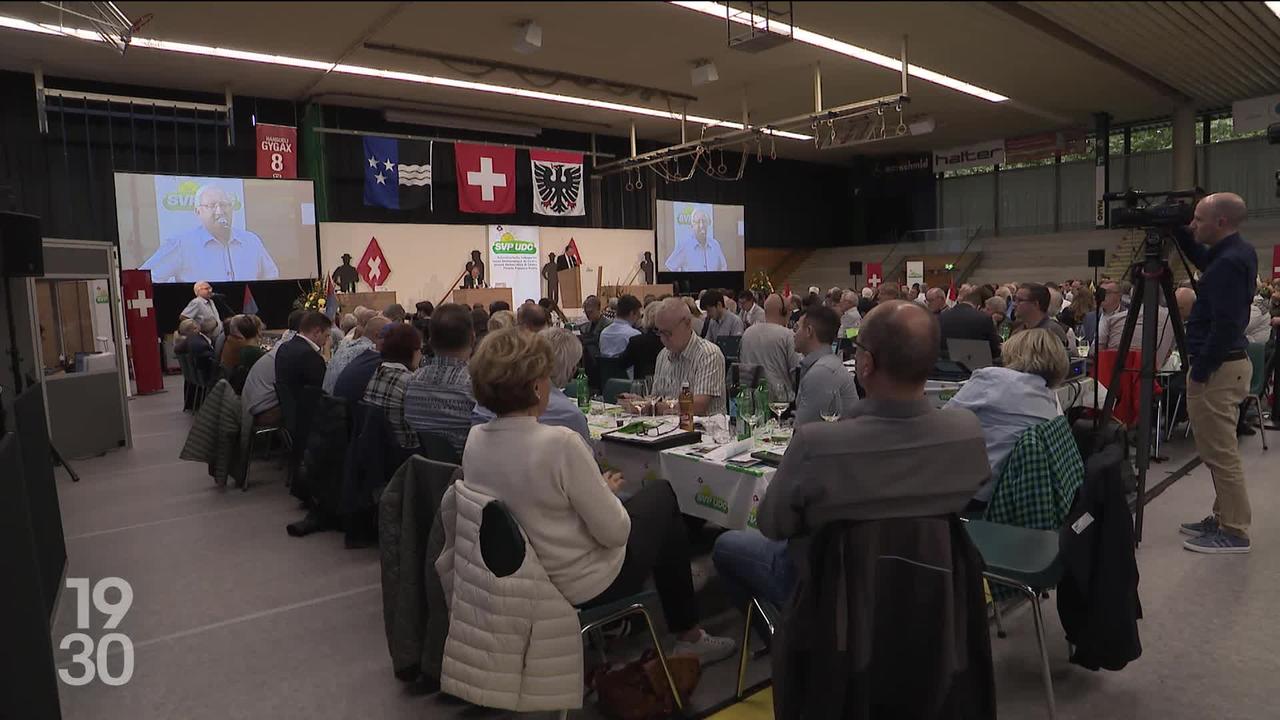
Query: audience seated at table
x=562 y=410
x=749 y=311
x=186 y=329
x=614 y=339
x=688 y=359
x=350 y=350
x=967 y=321
x=395 y=313
x=641 y=355
x=299 y=363
x=439 y=398
x=894 y=456
x=1112 y=332
x=769 y=345
x=501 y=320
x=480 y=322
x=1031 y=310
x=822 y=374
x=847 y=310
x=699 y=319
x=401 y=351
x=363 y=316
x=258 y=399
x=720 y=322
x=1011 y=399
x=422 y=319
x=532 y=317
x=354 y=378
x=595 y=548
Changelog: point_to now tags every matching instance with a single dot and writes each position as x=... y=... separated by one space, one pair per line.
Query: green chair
x=613 y=387
x=1027 y=561
x=1258 y=358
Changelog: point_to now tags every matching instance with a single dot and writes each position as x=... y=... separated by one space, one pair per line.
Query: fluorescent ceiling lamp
x=1274 y=7
x=718 y=10
x=230 y=54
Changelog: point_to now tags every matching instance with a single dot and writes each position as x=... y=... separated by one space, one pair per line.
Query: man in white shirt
x=719 y=321
x=1113 y=329
x=213 y=248
x=687 y=358
x=614 y=338
x=201 y=307
x=703 y=253
x=772 y=347
x=748 y=310
x=848 y=311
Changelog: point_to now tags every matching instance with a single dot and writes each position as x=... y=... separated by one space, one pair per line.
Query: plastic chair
x=1027 y=561
x=1258 y=358
x=610 y=369
x=502 y=547
x=613 y=387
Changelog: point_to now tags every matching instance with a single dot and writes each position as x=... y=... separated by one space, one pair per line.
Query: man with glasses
x=895 y=455
x=1031 y=305
x=1110 y=306
x=687 y=358
x=212 y=249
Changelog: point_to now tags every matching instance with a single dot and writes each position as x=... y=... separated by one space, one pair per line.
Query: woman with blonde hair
x=1011 y=399
x=698 y=319
x=595 y=548
x=502 y=320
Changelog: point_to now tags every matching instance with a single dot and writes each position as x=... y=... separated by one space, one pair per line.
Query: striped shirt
x=439 y=400
x=701 y=364
x=341 y=358
x=386 y=390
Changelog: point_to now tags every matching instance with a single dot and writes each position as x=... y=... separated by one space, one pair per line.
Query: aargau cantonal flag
x=557 y=183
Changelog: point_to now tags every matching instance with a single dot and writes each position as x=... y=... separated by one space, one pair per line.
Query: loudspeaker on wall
x=21 y=251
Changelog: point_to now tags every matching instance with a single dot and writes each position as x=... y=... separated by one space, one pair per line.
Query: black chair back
x=502 y=545
x=611 y=369
x=731 y=346
x=434 y=446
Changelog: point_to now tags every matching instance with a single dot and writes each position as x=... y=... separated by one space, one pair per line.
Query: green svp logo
x=509 y=245
x=708 y=499
x=184 y=198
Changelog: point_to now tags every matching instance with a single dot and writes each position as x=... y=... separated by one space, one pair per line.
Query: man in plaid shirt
x=401 y=351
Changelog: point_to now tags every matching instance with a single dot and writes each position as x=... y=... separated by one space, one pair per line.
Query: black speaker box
x=855 y=267
x=21 y=252
x=1097 y=258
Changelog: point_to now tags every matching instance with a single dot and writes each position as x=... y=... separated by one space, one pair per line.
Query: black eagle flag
x=557 y=183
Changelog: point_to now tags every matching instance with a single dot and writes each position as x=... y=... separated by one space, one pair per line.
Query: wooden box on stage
x=577 y=283
x=640 y=291
x=483 y=296
x=379 y=301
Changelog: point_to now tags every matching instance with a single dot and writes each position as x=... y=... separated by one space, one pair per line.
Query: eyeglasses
x=861 y=346
x=223 y=206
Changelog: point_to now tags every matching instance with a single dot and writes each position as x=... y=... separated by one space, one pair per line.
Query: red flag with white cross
x=875 y=275
x=486 y=178
x=374 y=268
x=140 y=323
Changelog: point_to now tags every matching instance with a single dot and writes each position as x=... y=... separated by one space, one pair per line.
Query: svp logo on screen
x=507 y=244
x=184 y=198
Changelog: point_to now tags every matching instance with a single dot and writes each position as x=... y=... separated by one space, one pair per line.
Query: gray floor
x=234 y=619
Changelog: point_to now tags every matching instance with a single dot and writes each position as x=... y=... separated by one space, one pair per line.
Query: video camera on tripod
x=1139 y=212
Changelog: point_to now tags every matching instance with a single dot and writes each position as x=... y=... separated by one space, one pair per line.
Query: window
x=1221 y=130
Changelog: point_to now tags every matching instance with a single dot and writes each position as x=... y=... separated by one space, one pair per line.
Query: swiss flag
x=875 y=275
x=373 y=267
x=486 y=178
x=951 y=292
x=1275 y=262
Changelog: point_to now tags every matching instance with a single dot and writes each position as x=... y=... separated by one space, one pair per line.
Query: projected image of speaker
x=187 y=229
x=700 y=237
x=21 y=251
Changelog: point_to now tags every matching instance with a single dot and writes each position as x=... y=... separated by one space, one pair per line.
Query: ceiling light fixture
x=718 y=10
x=360 y=70
x=1274 y=7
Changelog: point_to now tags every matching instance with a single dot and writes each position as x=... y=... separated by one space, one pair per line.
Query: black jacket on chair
x=1098 y=600
x=298 y=365
x=889 y=622
x=969 y=323
x=320 y=476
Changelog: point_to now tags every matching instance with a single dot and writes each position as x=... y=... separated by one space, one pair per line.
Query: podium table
x=376 y=300
x=576 y=284
x=483 y=296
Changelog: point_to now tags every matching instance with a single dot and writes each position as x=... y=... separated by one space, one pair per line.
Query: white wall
x=426 y=259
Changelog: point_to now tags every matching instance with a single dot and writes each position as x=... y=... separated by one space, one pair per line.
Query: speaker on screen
x=21 y=252
x=855 y=267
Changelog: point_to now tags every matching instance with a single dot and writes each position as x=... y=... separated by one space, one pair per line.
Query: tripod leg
x=57 y=460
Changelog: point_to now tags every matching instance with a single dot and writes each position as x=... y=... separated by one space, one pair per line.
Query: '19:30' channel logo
x=95 y=659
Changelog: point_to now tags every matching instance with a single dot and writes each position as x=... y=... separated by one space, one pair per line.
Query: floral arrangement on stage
x=760 y=283
x=313 y=299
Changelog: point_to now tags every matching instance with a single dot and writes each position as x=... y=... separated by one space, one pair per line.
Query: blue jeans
x=752 y=565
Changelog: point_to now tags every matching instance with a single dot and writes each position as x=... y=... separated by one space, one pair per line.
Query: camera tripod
x=1151 y=275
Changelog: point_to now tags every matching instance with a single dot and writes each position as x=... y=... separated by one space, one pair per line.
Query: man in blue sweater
x=1220 y=370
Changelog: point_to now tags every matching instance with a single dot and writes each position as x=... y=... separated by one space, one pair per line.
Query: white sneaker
x=708 y=648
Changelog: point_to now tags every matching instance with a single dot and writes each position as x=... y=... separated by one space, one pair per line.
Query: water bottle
x=762 y=401
x=584 y=392
x=745 y=411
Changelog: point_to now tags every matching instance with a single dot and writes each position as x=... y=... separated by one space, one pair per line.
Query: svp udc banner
x=514 y=261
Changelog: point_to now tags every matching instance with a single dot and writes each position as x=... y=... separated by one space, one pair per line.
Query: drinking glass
x=670 y=405
x=831 y=411
x=778 y=400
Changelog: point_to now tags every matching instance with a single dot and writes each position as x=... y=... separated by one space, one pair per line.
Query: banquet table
x=728 y=493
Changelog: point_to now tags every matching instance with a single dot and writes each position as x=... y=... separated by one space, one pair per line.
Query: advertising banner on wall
x=277 y=151
x=514 y=261
x=977 y=155
x=915 y=273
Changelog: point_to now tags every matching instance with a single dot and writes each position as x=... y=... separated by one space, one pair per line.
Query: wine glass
x=831 y=411
x=778 y=402
x=670 y=405
x=640 y=395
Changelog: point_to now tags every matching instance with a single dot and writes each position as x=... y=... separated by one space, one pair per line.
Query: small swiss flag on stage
x=486 y=178
x=875 y=275
x=373 y=267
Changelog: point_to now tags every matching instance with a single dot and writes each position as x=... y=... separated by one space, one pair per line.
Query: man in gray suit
x=894 y=456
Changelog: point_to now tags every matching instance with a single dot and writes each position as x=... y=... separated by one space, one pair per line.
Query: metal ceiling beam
x=1033 y=19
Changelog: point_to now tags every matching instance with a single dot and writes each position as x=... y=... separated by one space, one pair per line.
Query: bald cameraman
x=1220 y=370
